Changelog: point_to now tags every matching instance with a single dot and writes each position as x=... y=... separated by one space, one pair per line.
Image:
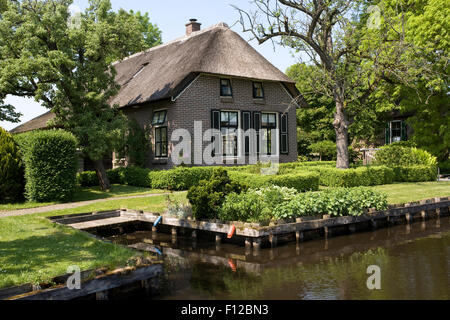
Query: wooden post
x=154 y=229
x=299 y=236
x=423 y=214
x=219 y=238
x=273 y=240
x=174 y=231
x=408 y=217
x=327 y=231
x=248 y=243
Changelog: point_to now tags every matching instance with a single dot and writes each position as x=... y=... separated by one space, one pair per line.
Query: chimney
x=192 y=26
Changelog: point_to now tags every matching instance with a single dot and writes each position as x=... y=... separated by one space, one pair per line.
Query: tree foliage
x=65 y=62
x=352 y=54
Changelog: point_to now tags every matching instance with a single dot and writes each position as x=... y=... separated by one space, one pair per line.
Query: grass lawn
x=414 y=191
x=32 y=249
x=85 y=194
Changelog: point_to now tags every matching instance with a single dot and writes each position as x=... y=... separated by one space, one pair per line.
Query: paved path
x=71 y=205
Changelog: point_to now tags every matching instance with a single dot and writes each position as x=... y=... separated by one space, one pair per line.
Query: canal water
x=414 y=262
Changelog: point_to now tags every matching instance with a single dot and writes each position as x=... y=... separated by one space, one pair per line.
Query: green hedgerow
x=50 y=165
x=11 y=169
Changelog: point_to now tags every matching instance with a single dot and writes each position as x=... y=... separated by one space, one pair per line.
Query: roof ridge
x=179 y=39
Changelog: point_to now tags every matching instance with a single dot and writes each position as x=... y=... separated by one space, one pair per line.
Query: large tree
x=351 y=59
x=427 y=26
x=65 y=62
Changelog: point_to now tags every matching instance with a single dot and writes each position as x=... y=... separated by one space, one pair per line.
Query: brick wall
x=203 y=96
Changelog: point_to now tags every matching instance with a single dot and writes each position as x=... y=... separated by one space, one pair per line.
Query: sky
x=171 y=16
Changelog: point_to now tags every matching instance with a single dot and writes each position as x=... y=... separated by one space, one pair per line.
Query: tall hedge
x=11 y=169
x=50 y=165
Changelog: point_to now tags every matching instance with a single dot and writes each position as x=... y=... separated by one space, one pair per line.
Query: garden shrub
x=326 y=149
x=180 y=178
x=137 y=177
x=50 y=165
x=11 y=169
x=255 y=205
x=301 y=181
x=276 y=203
x=117 y=175
x=87 y=179
x=399 y=155
x=208 y=196
x=362 y=176
x=335 y=202
x=415 y=173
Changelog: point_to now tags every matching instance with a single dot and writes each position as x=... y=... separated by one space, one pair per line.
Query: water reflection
x=414 y=261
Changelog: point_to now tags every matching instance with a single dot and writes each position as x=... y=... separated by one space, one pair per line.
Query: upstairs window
x=258 y=90
x=159 y=117
x=225 y=88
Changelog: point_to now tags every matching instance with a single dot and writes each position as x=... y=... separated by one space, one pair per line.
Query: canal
x=414 y=262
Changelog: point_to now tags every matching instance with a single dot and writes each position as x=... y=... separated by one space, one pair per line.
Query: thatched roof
x=160 y=72
x=37 y=123
x=163 y=71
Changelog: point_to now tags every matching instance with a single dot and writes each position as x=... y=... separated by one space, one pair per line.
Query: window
x=225 y=88
x=268 y=123
x=396 y=131
x=258 y=90
x=284 y=134
x=161 y=142
x=229 y=123
x=159 y=117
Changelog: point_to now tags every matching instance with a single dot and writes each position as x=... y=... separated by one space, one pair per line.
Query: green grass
x=414 y=191
x=32 y=249
x=85 y=194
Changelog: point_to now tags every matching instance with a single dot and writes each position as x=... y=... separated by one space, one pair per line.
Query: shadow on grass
x=39 y=258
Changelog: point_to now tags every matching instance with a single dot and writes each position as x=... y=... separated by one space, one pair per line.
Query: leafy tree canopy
x=65 y=62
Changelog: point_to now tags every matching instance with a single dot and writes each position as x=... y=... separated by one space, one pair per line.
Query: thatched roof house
x=211 y=76
x=162 y=72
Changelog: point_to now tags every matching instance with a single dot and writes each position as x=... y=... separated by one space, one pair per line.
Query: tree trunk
x=341 y=129
x=101 y=174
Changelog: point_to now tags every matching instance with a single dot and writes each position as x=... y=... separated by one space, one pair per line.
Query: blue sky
x=171 y=17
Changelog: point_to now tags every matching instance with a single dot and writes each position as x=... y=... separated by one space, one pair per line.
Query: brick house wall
x=202 y=96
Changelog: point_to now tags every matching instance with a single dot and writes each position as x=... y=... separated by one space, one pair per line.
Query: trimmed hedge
x=415 y=173
x=50 y=164
x=362 y=176
x=135 y=176
x=180 y=178
x=301 y=181
x=11 y=169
